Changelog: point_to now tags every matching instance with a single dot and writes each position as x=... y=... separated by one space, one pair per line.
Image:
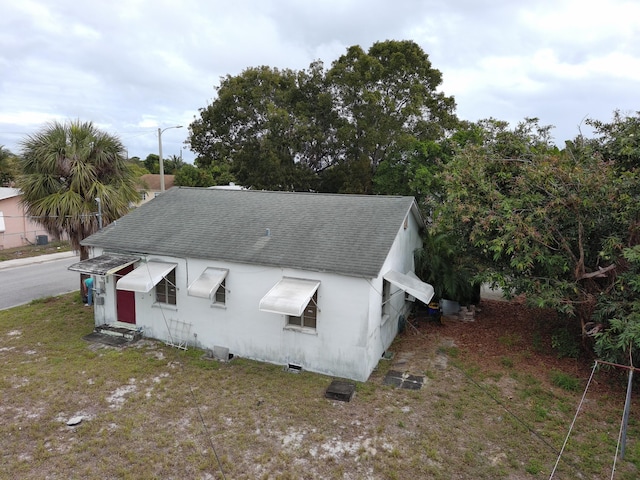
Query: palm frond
x=66 y=166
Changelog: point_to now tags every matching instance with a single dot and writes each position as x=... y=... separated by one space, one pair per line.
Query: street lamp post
x=160 y=160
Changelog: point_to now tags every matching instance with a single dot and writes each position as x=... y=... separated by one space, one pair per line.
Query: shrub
x=565 y=381
x=565 y=344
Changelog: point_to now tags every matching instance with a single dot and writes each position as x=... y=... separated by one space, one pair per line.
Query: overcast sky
x=132 y=66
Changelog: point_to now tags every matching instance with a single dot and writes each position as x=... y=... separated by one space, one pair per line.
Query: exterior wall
x=401 y=259
x=336 y=347
x=147 y=195
x=19 y=230
x=152 y=181
x=350 y=337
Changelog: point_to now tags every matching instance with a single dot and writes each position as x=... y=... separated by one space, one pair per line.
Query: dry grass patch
x=150 y=411
x=27 y=251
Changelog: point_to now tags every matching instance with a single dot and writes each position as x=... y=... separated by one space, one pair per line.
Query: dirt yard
x=488 y=408
x=500 y=330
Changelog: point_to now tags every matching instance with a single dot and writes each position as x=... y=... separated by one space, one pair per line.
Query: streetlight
x=160 y=155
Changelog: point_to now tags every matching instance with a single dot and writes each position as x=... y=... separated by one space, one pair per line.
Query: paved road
x=22 y=282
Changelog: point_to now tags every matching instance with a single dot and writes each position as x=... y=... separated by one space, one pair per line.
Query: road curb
x=37 y=259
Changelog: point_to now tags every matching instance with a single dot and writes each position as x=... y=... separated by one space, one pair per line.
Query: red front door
x=125 y=300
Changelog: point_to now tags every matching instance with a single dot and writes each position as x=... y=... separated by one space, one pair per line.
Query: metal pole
x=160 y=160
x=625 y=416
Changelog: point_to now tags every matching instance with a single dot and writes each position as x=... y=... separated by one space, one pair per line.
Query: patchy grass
x=565 y=381
x=150 y=411
x=33 y=250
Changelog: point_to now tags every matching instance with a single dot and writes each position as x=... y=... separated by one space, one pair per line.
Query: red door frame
x=125 y=300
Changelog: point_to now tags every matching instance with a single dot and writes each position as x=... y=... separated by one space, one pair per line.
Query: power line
x=193 y=396
x=517 y=418
x=82 y=215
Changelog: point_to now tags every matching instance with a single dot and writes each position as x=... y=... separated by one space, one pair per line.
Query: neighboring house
x=151 y=181
x=16 y=228
x=314 y=281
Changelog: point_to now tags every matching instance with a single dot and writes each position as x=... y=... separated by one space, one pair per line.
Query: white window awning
x=411 y=284
x=206 y=285
x=289 y=296
x=145 y=277
x=106 y=264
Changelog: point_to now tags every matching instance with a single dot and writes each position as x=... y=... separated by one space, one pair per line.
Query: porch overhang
x=289 y=296
x=411 y=284
x=207 y=283
x=145 y=277
x=106 y=264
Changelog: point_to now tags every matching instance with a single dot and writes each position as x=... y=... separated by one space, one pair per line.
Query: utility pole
x=160 y=160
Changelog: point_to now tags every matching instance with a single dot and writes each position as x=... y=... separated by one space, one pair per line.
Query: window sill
x=305 y=330
x=165 y=306
x=221 y=306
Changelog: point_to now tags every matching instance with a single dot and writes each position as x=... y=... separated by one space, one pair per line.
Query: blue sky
x=132 y=66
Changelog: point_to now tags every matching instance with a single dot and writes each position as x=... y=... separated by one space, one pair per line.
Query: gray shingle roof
x=347 y=234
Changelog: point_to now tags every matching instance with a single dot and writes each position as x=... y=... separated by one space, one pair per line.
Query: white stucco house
x=311 y=281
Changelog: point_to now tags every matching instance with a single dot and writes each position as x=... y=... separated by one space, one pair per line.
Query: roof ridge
x=286 y=192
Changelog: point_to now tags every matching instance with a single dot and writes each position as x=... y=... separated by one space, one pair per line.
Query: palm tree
x=65 y=168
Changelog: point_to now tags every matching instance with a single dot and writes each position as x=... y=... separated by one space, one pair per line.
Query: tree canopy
x=553 y=225
x=9 y=168
x=65 y=168
x=324 y=130
x=619 y=139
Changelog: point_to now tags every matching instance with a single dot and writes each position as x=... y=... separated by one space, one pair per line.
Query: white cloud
x=137 y=65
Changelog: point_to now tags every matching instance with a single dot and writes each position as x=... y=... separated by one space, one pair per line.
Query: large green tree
x=616 y=325
x=253 y=127
x=65 y=168
x=326 y=130
x=551 y=225
x=386 y=99
x=616 y=322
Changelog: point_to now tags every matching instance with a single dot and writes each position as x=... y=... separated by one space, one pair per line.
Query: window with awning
x=411 y=284
x=208 y=284
x=106 y=264
x=145 y=277
x=290 y=296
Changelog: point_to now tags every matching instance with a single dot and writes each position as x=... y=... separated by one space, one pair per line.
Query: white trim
x=299 y=329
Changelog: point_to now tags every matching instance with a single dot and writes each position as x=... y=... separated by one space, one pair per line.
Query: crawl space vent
x=340 y=390
x=293 y=368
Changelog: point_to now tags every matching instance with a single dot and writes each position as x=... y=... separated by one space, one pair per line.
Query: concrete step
x=119 y=329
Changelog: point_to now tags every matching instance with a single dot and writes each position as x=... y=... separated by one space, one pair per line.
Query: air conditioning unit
x=42 y=240
x=222 y=353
